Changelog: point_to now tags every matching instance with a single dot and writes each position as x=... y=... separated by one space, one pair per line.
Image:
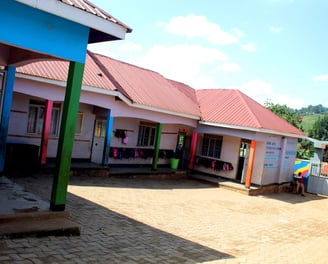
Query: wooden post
x=66 y=137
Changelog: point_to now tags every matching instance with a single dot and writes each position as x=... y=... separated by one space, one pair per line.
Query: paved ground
x=176 y=221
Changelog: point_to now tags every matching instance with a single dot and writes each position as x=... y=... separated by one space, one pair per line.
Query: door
x=243 y=160
x=98 y=141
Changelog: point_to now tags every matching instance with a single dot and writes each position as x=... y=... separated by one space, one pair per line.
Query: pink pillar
x=193 y=150
x=45 y=131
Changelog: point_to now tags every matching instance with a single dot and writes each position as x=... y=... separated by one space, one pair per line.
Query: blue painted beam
x=35 y=30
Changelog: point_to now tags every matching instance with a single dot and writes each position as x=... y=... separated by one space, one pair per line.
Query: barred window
x=146 y=136
x=36 y=118
x=212 y=146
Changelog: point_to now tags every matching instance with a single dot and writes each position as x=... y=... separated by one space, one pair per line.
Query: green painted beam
x=157 y=145
x=66 y=136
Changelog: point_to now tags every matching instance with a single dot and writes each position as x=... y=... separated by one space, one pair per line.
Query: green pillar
x=157 y=145
x=66 y=136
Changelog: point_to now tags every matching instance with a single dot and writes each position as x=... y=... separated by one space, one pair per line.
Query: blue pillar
x=108 y=136
x=7 y=91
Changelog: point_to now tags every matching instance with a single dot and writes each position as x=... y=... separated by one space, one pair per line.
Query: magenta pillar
x=193 y=148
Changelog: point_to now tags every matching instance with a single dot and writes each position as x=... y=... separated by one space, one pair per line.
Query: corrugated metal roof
x=89 y=7
x=146 y=87
x=149 y=88
x=58 y=70
x=232 y=107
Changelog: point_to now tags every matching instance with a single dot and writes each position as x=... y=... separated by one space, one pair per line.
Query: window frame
x=38 y=119
x=212 y=146
x=146 y=134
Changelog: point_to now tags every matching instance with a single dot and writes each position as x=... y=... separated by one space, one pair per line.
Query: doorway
x=243 y=159
x=98 y=141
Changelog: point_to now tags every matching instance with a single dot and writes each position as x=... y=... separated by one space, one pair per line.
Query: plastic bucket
x=174 y=163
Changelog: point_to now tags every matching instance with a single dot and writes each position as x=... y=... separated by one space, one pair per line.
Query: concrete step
x=37 y=224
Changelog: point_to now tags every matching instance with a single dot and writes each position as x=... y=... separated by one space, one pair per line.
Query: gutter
x=259 y=130
x=58 y=8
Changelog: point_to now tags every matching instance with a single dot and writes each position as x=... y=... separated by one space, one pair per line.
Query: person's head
x=300 y=174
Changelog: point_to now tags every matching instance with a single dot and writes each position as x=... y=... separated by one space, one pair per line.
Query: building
x=133 y=116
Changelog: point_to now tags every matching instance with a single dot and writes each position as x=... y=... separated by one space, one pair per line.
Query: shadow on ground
x=110 y=237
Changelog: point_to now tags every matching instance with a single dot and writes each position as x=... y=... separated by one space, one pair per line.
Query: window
x=79 y=124
x=36 y=118
x=100 y=128
x=146 y=136
x=212 y=146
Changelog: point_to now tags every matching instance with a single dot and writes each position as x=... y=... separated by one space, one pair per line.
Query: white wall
x=229 y=153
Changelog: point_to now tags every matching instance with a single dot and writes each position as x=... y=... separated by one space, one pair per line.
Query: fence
x=318 y=178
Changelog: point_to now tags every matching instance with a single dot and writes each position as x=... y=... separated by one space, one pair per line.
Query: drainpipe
x=45 y=132
x=250 y=164
x=193 y=148
x=157 y=145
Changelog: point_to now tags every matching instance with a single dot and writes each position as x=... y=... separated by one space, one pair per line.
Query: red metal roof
x=147 y=87
x=232 y=107
x=58 y=70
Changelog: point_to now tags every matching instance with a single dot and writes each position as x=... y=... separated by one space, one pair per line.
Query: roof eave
x=114 y=29
x=253 y=129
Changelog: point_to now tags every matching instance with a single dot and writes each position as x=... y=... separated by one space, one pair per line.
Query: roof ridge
x=242 y=97
x=126 y=63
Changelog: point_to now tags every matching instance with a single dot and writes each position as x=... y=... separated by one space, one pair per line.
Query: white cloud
x=262 y=91
x=130 y=46
x=322 y=77
x=183 y=63
x=275 y=29
x=249 y=47
x=101 y=48
x=230 y=67
x=110 y=49
x=192 y=26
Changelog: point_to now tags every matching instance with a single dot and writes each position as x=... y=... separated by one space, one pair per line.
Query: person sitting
x=299 y=183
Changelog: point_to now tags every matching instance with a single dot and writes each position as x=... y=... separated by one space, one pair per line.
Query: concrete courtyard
x=126 y=220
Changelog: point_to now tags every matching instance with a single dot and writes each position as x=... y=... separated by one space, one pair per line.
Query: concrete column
x=8 y=90
x=66 y=136
x=108 y=137
x=250 y=166
x=45 y=132
x=193 y=149
x=157 y=145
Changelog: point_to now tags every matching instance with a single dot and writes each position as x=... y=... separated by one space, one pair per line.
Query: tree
x=320 y=128
x=305 y=148
x=285 y=112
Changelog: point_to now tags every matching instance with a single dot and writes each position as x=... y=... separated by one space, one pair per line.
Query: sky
x=272 y=50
